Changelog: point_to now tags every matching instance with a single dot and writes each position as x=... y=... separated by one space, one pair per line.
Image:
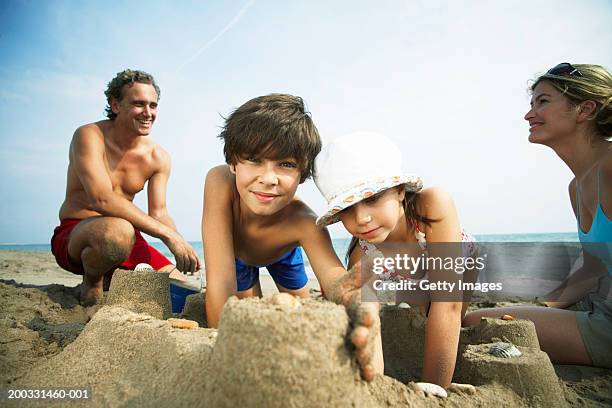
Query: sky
x=446 y=80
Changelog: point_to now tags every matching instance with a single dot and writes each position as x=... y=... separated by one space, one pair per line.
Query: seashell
x=507 y=317
x=403 y=306
x=285 y=299
x=504 y=350
x=144 y=267
x=433 y=389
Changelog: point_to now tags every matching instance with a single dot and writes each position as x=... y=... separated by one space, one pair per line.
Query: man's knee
x=115 y=239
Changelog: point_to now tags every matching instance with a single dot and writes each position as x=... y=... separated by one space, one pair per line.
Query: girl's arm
x=444 y=320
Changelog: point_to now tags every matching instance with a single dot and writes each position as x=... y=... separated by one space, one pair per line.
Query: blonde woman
x=571 y=113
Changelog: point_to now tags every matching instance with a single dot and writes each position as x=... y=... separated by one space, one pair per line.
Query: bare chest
x=128 y=172
x=261 y=246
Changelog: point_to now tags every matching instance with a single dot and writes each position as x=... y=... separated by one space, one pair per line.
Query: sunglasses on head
x=564 y=68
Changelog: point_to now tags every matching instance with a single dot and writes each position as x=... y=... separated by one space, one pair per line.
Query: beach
x=296 y=354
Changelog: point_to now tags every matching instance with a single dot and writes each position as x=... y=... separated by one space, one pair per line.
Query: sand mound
x=530 y=375
x=195 y=308
x=127 y=358
x=141 y=292
x=287 y=353
x=35 y=322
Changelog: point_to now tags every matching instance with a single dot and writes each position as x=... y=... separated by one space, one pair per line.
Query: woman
x=571 y=113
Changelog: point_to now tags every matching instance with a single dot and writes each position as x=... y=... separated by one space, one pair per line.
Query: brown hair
x=411 y=213
x=593 y=84
x=274 y=126
x=128 y=77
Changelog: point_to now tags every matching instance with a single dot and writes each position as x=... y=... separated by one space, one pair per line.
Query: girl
x=361 y=177
x=571 y=113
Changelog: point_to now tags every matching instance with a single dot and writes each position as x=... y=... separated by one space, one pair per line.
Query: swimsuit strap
x=578 y=202
x=420 y=236
x=598 y=174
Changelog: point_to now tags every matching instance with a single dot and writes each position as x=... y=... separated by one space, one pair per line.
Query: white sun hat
x=357 y=166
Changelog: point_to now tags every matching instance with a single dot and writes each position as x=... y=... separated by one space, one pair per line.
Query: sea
x=340 y=244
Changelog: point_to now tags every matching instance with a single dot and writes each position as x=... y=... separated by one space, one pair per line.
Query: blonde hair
x=593 y=84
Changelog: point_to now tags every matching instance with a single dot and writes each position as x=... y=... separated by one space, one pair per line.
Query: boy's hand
x=365 y=320
x=366 y=328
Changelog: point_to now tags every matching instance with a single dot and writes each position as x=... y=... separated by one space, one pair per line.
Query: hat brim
x=365 y=190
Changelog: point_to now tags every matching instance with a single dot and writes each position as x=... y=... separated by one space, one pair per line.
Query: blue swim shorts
x=288 y=271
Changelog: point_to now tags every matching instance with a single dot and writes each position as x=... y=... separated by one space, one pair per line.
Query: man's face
x=137 y=109
x=266 y=186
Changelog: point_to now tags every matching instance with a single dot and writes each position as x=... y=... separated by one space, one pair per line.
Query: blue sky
x=447 y=80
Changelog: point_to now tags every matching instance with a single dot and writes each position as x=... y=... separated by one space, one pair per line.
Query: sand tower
x=283 y=352
x=531 y=375
x=526 y=370
x=403 y=338
x=141 y=292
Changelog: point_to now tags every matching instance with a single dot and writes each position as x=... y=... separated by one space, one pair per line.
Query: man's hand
x=186 y=258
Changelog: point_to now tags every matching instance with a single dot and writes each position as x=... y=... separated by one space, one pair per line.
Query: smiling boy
x=252 y=218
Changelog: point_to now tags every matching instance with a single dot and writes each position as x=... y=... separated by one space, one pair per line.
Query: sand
x=264 y=353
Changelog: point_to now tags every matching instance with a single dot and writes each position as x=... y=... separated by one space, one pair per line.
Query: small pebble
x=285 y=299
x=507 y=317
x=183 y=323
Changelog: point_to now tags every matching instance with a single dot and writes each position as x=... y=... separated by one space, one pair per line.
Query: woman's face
x=551 y=117
x=374 y=218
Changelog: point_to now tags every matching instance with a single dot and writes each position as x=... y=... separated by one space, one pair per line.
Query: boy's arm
x=345 y=289
x=444 y=320
x=87 y=156
x=217 y=239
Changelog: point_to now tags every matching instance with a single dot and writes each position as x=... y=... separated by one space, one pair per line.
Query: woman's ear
x=586 y=111
x=232 y=168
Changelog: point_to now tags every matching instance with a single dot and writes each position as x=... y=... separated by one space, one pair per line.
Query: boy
x=252 y=218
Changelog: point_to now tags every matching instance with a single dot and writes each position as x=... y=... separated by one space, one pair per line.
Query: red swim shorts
x=142 y=252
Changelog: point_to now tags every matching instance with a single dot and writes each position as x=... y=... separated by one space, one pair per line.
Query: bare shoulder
x=89 y=133
x=160 y=157
x=434 y=203
x=606 y=170
x=300 y=217
x=220 y=176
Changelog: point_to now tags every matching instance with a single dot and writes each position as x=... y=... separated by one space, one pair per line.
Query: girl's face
x=374 y=218
x=551 y=117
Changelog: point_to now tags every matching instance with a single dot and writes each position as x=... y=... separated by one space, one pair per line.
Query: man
x=110 y=162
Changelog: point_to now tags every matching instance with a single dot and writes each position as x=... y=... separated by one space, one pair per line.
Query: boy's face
x=266 y=186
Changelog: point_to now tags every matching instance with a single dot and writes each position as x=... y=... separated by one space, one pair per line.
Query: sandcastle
x=283 y=352
x=531 y=375
x=141 y=292
x=129 y=359
x=403 y=338
x=195 y=308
